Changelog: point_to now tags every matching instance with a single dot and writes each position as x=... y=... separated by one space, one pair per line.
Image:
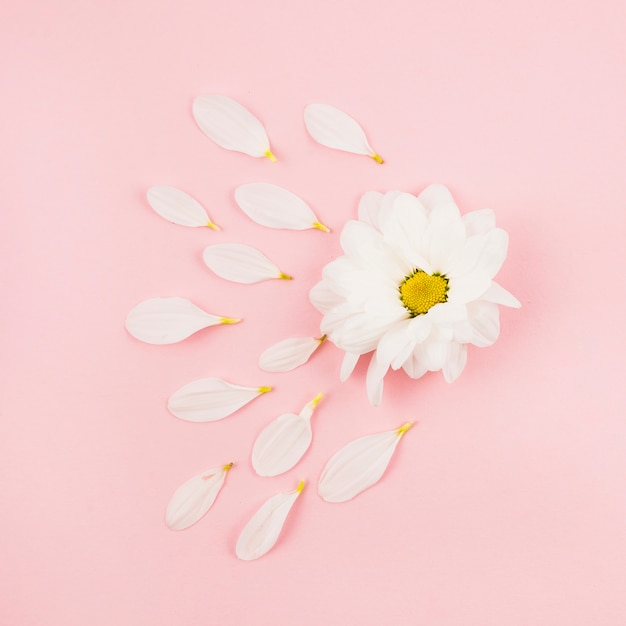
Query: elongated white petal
x=240 y=263
x=195 y=497
x=335 y=129
x=374 y=379
x=211 y=399
x=262 y=531
x=169 y=320
x=275 y=207
x=178 y=207
x=288 y=354
x=231 y=126
x=350 y=359
x=283 y=442
x=359 y=465
x=498 y=294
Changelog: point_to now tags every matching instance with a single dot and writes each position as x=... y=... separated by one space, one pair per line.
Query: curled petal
x=169 y=320
x=335 y=129
x=178 y=207
x=275 y=207
x=211 y=399
x=283 y=442
x=231 y=126
x=241 y=264
x=195 y=497
x=262 y=531
x=359 y=465
x=288 y=354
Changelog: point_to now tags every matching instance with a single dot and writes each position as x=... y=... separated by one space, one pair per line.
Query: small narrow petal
x=231 y=126
x=195 y=497
x=283 y=442
x=169 y=320
x=335 y=129
x=359 y=465
x=262 y=531
x=485 y=320
x=241 y=264
x=350 y=359
x=374 y=380
x=288 y=354
x=211 y=399
x=455 y=361
x=275 y=207
x=178 y=207
x=499 y=295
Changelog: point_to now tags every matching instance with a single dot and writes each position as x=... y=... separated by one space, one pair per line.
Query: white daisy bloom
x=415 y=286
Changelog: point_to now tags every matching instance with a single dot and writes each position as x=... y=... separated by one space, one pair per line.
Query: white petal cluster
x=396 y=235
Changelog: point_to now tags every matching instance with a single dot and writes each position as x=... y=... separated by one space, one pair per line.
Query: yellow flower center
x=421 y=291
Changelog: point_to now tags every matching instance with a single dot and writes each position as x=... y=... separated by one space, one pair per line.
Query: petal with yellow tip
x=261 y=533
x=169 y=320
x=211 y=399
x=288 y=354
x=359 y=465
x=241 y=264
x=275 y=207
x=178 y=207
x=231 y=126
x=335 y=129
x=195 y=497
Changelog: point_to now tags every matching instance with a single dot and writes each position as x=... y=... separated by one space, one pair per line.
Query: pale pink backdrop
x=505 y=506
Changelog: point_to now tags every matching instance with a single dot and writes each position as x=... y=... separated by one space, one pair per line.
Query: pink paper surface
x=504 y=506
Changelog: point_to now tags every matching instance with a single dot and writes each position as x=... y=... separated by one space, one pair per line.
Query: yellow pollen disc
x=421 y=291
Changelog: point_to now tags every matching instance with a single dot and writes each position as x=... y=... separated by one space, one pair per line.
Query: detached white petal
x=195 y=497
x=288 y=354
x=283 y=442
x=178 y=207
x=241 y=264
x=335 y=129
x=231 y=126
x=169 y=320
x=359 y=465
x=211 y=399
x=275 y=207
x=262 y=531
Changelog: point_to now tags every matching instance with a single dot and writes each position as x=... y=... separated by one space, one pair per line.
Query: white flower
x=415 y=286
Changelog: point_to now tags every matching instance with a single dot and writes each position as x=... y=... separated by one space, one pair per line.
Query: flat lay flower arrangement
x=412 y=291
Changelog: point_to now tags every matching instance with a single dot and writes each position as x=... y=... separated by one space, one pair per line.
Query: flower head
x=414 y=287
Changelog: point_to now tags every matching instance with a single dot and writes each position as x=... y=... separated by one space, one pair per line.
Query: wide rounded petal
x=231 y=126
x=485 y=320
x=211 y=399
x=240 y=263
x=323 y=298
x=169 y=320
x=335 y=129
x=358 y=465
x=288 y=354
x=369 y=208
x=195 y=497
x=178 y=207
x=479 y=222
x=261 y=533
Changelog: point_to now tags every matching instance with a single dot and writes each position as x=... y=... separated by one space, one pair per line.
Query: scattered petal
x=211 y=399
x=231 y=126
x=335 y=129
x=288 y=354
x=169 y=320
x=241 y=264
x=275 y=207
x=359 y=465
x=195 y=497
x=283 y=442
x=262 y=531
x=178 y=207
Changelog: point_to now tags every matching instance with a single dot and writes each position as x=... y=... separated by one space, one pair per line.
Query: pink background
x=505 y=506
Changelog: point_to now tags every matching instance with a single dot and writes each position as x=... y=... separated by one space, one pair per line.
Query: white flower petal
x=231 y=126
x=169 y=320
x=262 y=531
x=283 y=442
x=455 y=362
x=374 y=380
x=335 y=129
x=323 y=298
x=211 y=399
x=178 y=207
x=499 y=295
x=240 y=263
x=288 y=354
x=369 y=208
x=485 y=320
x=195 y=497
x=350 y=359
x=359 y=465
x=275 y=207
x=479 y=222
x=435 y=195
